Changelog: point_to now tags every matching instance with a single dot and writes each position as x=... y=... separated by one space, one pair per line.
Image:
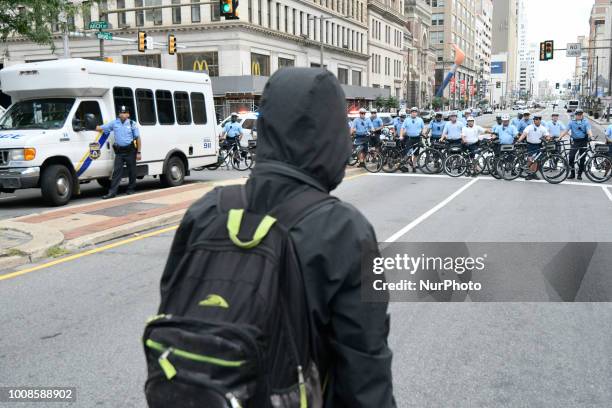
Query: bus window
x=146 y=106
x=124 y=97
x=87 y=107
x=165 y=110
x=199 y=108
x=181 y=103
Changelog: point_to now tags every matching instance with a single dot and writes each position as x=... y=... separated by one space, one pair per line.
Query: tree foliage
x=32 y=19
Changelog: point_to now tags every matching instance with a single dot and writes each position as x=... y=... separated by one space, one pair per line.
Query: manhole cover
x=12 y=238
x=126 y=209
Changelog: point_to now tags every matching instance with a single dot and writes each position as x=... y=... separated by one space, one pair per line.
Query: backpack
x=233 y=328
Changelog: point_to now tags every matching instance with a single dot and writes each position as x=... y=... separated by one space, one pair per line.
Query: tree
x=380 y=102
x=32 y=18
x=438 y=102
x=391 y=104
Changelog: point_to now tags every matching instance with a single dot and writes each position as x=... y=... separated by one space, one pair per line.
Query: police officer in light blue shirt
x=555 y=127
x=361 y=132
x=436 y=126
x=516 y=121
x=580 y=131
x=505 y=132
x=452 y=130
x=233 y=129
x=523 y=123
x=609 y=138
x=398 y=122
x=411 y=132
x=376 y=126
x=127 y=147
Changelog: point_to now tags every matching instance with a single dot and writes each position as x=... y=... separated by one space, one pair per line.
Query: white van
x=46 y=136
x=572 y=105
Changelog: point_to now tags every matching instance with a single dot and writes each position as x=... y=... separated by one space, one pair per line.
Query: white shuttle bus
x=46 y=136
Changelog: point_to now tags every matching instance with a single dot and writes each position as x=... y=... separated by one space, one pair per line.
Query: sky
x=561 y=21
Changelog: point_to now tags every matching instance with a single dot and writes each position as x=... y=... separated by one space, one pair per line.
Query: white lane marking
x=608 y=194
x=6 y=198
x=486 y=178
x=429 y=213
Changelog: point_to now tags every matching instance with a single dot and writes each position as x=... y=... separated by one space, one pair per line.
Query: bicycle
x=432 y=157
x=241 y=158
x=598 y=165
x=551 y=165
x=460 y=160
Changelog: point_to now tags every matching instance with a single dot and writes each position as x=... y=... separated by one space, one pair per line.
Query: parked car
x=487 y=111
x=427 y=115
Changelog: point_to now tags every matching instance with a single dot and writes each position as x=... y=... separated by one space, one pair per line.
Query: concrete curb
x=43 y=238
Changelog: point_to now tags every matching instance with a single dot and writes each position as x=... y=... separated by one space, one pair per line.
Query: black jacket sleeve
x=331 y=244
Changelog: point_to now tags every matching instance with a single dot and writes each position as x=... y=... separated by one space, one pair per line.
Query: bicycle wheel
x=484 y=160
x=354 y=157
x=599 y=168
x=391 y=161
x=242 y=159
x=373 y=161
x=430 y=161
x=509 y=167
x=492 y=166
x=455 y=165
x=554 y=168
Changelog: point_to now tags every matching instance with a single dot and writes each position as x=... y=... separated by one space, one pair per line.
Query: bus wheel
x=56 y=185
x=174 y=174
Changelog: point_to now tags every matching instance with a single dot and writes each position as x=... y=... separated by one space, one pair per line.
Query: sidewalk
x=59 y=231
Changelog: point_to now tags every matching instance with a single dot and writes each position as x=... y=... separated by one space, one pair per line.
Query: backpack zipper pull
x=166 y=365
x=233 y=400
x=302 y=387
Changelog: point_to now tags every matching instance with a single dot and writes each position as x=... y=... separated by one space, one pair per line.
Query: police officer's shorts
x=533 y=148
x=361 y=141
x=411 y=141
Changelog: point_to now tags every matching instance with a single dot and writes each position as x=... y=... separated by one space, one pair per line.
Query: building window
x=278 y=13
x=146 y=106
x=356 y=80
x=260 y=64
x=215 y=13
x=124 y=97
x=437 y=3
x=181 y=104
x=139 y=14
x=343 y=75
x=121 y=17
x=293 y=22
x=250 y=11
x=285 y=62
x=165 y=110
x=198 y=107
x=195 y=13
x=207 y=62
x=176 y=12
x=154 y=15
x=286 y=19
x=269 y=25
x=437 y=19
x=151 y=60
x=259 y=2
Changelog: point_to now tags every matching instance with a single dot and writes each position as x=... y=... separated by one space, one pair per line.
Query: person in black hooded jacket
x=304 y=143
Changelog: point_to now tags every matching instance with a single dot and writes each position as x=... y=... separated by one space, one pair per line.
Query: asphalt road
x=79 y=323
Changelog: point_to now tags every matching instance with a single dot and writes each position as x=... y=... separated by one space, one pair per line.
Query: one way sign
x=573 y=50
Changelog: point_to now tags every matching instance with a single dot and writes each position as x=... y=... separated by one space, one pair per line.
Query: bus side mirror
x=76 y=124
x=90 y=121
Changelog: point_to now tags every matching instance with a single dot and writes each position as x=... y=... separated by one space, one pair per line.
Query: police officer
x=436 y=126
x=127 y=147
x=361 y=133
x=580 y=132
x=535 y=134
x=452 y=130
x=498 y=119
x=555 y=127
x=523 y=123
x=515 y=121
x=411 y=132
x=398 y=122
x=376 y=126
x=506 y=133
x=232 y=131
x=609 y=139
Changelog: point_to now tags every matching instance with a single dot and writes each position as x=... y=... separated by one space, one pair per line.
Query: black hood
x=302 y=123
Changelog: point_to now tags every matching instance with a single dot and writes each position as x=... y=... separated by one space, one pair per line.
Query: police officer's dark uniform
x=126 y=147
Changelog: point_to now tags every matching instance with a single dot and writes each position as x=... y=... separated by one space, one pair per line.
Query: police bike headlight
x=26 y=154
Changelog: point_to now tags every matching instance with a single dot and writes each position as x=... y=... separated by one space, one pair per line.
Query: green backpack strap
x=234 y=219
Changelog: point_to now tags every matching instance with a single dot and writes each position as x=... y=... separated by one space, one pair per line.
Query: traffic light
x=142 y=41
x=498 y=84
x=557 y=85
x=171 y=44
x=229 y=9
x=547 y=50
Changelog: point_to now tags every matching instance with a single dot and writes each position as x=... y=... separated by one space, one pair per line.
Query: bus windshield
x=48 y=113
